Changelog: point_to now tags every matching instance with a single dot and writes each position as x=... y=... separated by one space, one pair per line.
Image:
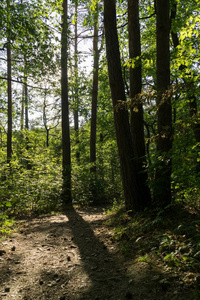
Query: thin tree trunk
x=93 y=126
x=66 y=150
x=162 y=190
x=26 y=104
x=26 y=101
x=22 y=107
x=132 y=192
x=94 y=97
x=76 y=108
x=9 y=88
x=45 y=120
x=137 y=121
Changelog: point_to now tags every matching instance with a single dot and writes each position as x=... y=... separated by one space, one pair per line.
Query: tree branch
x=23 y=82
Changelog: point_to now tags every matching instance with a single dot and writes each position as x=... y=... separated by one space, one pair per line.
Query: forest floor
x=74 y=256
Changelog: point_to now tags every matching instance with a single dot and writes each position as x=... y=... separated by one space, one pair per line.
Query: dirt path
x=73 y=257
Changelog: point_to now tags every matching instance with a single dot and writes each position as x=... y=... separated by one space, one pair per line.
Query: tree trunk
x=22 y=107
x=66 y=150
x=9 y=88
x=137 y=121
x=45 y=119
x=132 y=192
x=26 y=100
x=94 y=107
x=162 y=190
x=76 y=100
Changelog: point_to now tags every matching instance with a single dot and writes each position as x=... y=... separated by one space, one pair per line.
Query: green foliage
x=6 y=225
x=32 y=183
x=169 y=239
x=106 y=185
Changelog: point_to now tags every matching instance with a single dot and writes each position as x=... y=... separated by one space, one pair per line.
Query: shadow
x=48 y=286
x=107 y=276
x=77 y=264
x=8 y=267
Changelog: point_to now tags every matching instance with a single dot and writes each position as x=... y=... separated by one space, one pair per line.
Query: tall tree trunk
x=132 y=193
x=137 y=121
x=28 y=163
x=76 y=100
x=9 y=87
x=162 y=190
x=66 y=150
x=94 y=106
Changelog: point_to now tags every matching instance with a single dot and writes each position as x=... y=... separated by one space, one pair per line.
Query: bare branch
x=23 y=82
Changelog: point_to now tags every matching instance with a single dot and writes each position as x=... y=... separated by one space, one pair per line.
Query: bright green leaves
x=133 y=62
x=186 y=26
x=146 y=60
x=93 y=6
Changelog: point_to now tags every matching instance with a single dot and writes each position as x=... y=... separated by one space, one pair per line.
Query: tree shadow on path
x=107 y=278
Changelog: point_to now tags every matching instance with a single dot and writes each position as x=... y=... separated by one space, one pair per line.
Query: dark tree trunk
x=132 y=192
x=76 y=100
x=94 y=96
x=93 y=127
x=162 y=191
x=137 y=121
x=9 y=88
x=47 y=137
x=66 y=151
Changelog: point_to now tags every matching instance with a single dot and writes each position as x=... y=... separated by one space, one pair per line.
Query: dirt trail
x=73 y=257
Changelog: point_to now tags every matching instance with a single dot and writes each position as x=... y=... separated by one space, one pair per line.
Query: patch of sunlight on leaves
x=6 y=225
x=144 y=258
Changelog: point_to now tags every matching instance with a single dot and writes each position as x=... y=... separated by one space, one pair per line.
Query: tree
x=93 y=126
x=47 y=127
x=162 y=190
x=76 y=93
x=9 y=85
x=26 y=95
x=66 y=150
x=137 y=120
x=132 y=190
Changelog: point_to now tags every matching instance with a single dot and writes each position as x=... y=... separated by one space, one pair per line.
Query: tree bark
x=93 y=126
x=137 y=120
x=132 y=192
x=9 y=88
x=94 y=97
x=66 y=150
x=162 y=190
x=76 y=98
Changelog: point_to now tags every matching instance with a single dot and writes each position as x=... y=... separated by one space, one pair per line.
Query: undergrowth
x=169 y=239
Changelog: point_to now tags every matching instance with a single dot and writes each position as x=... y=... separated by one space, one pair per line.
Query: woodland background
x=58 y=132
